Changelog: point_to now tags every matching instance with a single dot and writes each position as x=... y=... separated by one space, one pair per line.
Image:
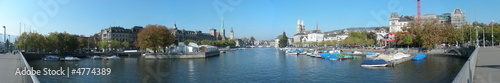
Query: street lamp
x=4 y=33
x=484 y=42
x=477 y=37
x=492 y=41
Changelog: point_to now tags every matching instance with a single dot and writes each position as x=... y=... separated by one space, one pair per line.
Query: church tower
x=299 y=27
x=232 y=34
x=175 y=26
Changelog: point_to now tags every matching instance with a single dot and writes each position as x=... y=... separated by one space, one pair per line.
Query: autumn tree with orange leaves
x=154 y=37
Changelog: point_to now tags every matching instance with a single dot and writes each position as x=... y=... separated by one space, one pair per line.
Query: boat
x=114 y=57
x=357 y=52
x=385 y=57
x=325 y=55
x=292 y=53
x=96 y=57
x=372 y=55
x=374 y=63
x=333 y=57
x=50 y=58
x=71 y=58
x=309 y=53
x=399 y=55
x=419 y=56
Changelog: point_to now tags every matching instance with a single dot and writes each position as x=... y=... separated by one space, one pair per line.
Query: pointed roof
x=222 y=23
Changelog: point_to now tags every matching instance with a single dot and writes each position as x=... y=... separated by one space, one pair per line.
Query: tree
x=283 y=41
x=154 y=36
x=103 y=44
x=93 y=39
x=404 y=38
x=189 y=41
x=115 y=44
x=125 y=44
x=82 y=43
x=206 y=42
x=252 y=39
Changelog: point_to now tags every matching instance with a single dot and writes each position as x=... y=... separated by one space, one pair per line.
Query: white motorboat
x=374 y=63
x=50 y=58
x=96 y=57
x=114 y=57
x=71 y=58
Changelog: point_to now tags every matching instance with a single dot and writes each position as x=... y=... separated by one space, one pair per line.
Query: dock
x=8 y=66
x=398 y=61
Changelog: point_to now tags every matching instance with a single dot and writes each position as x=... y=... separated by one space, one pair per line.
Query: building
x=456 y=18
x=231 y=36
x=197 y=35
x=302 y=34
x=121 y=34
x=315 y=37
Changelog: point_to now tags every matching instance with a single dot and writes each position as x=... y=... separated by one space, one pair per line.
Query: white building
x=315 y=37
x=458 y=18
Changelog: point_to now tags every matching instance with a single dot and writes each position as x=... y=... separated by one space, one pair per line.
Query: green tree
x=206 y=42
x=103 y=44
x=404 y=38
x=82 y=43
x=154 y=36
x=189 y=41
x=125 y=44
x=283 y=41
x=115 y=44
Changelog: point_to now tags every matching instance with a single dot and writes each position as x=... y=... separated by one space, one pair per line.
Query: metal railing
x=27 y=78
x=466 y=74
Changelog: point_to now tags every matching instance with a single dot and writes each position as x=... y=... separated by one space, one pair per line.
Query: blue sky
x=263 y=19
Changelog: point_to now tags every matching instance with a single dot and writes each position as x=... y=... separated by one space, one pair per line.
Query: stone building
x=121 y=34
x=197 y=35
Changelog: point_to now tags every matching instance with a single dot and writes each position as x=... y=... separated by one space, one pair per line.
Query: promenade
x=487 y=66
x=8 y=64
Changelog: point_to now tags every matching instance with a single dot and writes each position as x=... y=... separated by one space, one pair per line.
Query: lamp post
x=484 y=42
x=492 y=41
x=477 y=35
x=4 y=33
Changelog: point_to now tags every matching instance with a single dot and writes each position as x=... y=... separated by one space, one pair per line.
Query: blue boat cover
x=348 y=52
x=325 y=55
x=373 y=62
x=369 y=53
x=419 y=56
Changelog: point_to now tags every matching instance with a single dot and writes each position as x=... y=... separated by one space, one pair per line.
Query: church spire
x=222 y=23
x=317 y=26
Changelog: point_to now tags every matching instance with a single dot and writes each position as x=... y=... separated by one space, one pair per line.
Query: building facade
x=197 y=35
x=456 y=18
x=121 y=34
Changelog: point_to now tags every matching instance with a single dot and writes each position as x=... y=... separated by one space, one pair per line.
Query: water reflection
x=256 y=65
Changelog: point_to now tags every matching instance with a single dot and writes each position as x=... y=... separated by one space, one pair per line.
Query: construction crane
x=418 y=11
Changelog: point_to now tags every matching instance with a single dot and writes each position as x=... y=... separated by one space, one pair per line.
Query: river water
x=255 y=65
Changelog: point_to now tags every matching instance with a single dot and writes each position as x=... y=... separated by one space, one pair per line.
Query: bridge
x=483 y=66
x=8 y=65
